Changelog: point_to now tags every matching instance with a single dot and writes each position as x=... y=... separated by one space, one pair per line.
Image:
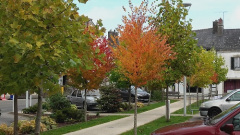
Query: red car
x=226 y=123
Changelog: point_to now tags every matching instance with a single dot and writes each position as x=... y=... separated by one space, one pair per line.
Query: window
x=235 y=97
x=74 y=93
x=235 y=63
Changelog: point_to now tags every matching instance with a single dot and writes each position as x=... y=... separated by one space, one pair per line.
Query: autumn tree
x=39 y=41
x=142 y=52
x=91 y=77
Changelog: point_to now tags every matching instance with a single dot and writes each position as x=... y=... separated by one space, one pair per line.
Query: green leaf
x=29 y=46
x=39 y=44
x=17 y=58
x=13 y=40
x=97 y=50
x=83 y=1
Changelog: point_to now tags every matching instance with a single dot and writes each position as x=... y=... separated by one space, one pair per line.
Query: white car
x=77 y=97
x=213 y=107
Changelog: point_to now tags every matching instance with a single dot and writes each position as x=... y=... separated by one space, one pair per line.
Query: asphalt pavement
x=6 y=107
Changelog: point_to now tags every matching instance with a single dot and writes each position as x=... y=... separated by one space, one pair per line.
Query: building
x=226 y=42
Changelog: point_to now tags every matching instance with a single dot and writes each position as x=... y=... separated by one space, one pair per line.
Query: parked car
x=213 y=107
x=77 y=97
x=226 y=123
x=142 y=95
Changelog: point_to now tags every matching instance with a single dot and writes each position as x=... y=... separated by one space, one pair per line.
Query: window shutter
x=232 y=63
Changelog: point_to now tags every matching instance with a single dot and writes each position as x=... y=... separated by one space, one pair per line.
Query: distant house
x=226 y=42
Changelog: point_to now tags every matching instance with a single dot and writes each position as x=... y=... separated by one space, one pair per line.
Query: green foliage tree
x=122 y=82
x=39 y=41
x=204 y=69
x=171 y=21
x=220 y=70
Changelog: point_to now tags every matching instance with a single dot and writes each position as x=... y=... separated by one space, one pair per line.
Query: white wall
x=232 y=74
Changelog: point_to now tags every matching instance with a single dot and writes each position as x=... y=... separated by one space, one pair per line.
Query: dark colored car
x=226 y=123
x=142 y=95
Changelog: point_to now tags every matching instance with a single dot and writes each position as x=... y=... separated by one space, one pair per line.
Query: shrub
x=59 y=116
x=110 y=99
x=140 y=104
x=126 y=106
x=48 y=122
x=75 y=114
x=28 y=127
x=58 y=102
x=25 y=127
x=31 y=109
x=5 y=130
x=69 y=115
x=46 y=106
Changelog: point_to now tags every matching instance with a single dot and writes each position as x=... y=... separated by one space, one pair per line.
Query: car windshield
x=138 y=90
x=227 y=94
x=224 y=114
x=92 y=93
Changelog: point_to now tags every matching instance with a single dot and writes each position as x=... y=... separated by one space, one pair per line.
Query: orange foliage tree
x=142 y=53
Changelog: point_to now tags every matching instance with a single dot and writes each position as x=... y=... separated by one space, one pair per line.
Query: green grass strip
x=79 y=126
x=148 y=128
x=149 y=107
x=189 y=107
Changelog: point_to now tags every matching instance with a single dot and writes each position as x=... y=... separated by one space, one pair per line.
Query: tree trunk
x=167 y=106
x=197 y=96
x=178 y=90
x=15 y=114
x=135 y=113
x=162 y=94
x=85 y=105
x=150 y=92
x=39 y=111
x=129 y=98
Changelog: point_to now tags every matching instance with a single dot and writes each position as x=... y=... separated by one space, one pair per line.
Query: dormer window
x=235 y=63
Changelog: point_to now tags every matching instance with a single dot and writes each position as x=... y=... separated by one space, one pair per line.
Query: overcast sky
x=202 y=12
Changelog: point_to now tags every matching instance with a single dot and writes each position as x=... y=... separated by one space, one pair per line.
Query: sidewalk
x=122 y=125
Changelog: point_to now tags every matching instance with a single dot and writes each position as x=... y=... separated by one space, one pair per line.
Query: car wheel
x=213 y=112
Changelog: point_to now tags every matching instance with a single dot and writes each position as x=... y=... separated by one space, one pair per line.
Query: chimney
x=220 y=27
x=215 y=27
x=111 y=35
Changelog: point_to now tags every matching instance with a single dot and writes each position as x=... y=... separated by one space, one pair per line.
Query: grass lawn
x=189 y=107
x=78 y=126
x=148 y=128
x=149 y=107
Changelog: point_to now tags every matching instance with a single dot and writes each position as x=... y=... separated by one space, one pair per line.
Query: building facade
x=226 y=42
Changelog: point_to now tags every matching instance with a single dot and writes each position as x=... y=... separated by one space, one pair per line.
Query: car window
x=79 y=94
x=236 y=122
x=235 y=96
x=74 y=93
x=227 y=95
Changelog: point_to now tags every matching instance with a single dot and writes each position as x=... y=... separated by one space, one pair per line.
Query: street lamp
x=184 y=78
x=187 y=5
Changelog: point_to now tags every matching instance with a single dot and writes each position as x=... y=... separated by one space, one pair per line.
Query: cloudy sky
x=202 y=12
